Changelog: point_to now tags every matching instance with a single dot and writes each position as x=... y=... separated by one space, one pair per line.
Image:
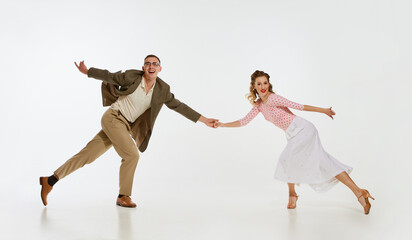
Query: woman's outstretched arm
x=327 y=111
x=231 y=124
x=242 y=122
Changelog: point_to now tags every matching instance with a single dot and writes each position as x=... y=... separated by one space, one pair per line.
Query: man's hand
x=82 y=67
x=210 y=122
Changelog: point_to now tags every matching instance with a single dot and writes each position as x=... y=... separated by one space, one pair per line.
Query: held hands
x=82 y=67
x=218 y=124
x=329 y=112
x=210 y=122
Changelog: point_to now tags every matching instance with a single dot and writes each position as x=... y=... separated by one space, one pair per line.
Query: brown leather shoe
x=125 y=201
x=45 y=189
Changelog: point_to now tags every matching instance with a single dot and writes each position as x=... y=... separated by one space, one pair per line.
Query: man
x=135 y=99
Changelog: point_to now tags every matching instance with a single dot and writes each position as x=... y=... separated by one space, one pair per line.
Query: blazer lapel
x=155 y=102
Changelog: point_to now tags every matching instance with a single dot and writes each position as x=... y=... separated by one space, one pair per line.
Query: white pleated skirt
x=305 y=161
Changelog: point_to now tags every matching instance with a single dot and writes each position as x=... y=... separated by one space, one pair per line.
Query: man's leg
x=118 y=130
x=94 y=149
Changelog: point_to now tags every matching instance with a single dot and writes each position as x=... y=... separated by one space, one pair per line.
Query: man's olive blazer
x=124 y=83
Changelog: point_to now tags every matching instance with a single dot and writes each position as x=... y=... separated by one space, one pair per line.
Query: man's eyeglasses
x=156 y=64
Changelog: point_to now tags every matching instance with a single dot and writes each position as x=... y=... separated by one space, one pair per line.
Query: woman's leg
x=345 y=179
x=293 y=197
x=361 y=194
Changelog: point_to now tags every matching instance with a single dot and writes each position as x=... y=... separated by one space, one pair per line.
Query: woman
x=303 y=160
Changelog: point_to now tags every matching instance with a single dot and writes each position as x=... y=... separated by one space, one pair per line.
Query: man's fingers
x=81 y=64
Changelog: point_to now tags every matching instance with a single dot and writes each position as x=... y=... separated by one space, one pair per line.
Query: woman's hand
x=329 y=112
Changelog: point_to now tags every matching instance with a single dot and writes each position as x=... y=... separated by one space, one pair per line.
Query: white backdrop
x=352 y=55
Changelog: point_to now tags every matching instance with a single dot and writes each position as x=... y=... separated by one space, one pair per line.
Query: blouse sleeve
x=283 y=102
x=250 y=116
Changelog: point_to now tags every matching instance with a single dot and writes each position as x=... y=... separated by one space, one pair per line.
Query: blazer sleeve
x=118 y=78
x=176 y=105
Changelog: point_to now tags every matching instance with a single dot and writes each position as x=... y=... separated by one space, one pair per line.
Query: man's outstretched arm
x=118 y=78
x=82 y=67
x=188 y=112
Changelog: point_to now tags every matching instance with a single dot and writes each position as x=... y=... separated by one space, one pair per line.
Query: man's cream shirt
x=133 y=105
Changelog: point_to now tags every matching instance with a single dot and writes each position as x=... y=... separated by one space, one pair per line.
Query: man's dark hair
x=151 y=55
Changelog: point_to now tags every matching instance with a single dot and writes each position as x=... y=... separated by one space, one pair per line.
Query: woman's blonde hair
x=253 y=94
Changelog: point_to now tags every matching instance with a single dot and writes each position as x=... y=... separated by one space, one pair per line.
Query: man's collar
x=143 y=84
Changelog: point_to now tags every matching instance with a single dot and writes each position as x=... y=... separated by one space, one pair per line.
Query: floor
x=240 y=213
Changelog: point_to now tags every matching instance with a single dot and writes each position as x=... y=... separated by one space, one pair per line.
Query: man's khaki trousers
x=115 y=132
